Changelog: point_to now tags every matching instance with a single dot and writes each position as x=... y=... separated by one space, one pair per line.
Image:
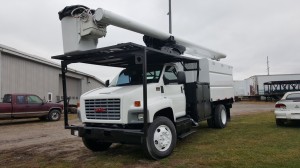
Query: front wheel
x=161 y=138
x=95 y=145
x=54 y=115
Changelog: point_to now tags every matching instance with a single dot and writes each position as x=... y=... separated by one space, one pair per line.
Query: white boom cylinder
x=104 y=17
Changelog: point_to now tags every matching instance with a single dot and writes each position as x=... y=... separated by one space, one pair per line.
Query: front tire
x=220 y=116
x=161 y=138
x=54 y=115
x=95 y=145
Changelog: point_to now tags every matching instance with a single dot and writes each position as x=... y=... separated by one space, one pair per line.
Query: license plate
x=76 y=133
x=295 y=116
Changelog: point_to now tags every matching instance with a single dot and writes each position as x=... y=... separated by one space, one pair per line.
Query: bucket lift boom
x=81 y=28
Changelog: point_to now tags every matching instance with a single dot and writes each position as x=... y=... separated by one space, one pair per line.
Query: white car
x=288 y=108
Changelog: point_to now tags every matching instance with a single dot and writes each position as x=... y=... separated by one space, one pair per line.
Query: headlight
x=135 y=116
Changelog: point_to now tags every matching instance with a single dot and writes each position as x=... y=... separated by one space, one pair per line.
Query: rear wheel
x=95 y=145
x=220 y=116
x=161 y=139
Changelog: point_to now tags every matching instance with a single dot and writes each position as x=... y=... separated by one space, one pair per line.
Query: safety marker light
x=137 y=103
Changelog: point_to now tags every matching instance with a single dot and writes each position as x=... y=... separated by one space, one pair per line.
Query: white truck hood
x=119 y=91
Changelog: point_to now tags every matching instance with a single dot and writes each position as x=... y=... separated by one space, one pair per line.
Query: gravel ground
x=24 y=132
x=51 y=139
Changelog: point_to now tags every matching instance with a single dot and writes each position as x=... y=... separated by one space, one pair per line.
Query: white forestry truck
x=164 y=90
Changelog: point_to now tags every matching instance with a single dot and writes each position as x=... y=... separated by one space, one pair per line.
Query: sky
x=247 y=31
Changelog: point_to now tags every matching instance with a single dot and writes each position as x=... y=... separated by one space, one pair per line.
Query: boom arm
x=95 y=23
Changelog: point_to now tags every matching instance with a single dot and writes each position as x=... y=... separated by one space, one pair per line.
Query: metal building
x=24 y=73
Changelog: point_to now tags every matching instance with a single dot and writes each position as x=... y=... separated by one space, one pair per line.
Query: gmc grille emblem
x=100 y=110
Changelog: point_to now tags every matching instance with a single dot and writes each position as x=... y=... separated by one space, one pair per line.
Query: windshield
x=134 y=75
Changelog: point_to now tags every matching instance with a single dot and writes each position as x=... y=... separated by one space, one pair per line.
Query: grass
x=248 y=141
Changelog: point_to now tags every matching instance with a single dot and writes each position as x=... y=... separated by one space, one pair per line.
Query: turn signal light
x=280 y=105
x=137 y=103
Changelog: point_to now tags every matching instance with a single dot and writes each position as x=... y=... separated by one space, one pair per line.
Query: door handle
x=162 y=89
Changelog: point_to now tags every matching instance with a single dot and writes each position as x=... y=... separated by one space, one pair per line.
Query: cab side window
x=170 y=75
x=21 y=100
x=34 y=100
x=7 y=98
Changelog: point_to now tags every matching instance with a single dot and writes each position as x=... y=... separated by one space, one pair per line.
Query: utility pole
x=170 y=17
x=268 y=67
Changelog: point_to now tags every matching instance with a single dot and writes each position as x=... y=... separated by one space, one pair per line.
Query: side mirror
x=106 y=83
x=181 y=77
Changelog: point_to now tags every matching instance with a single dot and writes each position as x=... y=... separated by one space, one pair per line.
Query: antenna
x=268 y=67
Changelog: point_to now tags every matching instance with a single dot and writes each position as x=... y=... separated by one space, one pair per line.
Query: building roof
x=272 y=75
x=41 y=60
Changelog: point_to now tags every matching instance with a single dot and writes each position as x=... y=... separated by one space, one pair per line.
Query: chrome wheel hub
x=54 y=116
x=162 y=138
x=223 y=117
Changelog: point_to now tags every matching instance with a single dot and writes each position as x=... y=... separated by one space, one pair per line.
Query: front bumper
x=113 y=135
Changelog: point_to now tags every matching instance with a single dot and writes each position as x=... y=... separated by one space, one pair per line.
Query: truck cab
x=122 y=102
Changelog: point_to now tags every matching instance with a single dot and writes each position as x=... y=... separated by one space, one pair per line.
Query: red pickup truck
x=29 y=106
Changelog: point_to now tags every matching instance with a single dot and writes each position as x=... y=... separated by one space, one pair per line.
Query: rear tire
x=54 y=115
x=161 y=139
x=220 y=116
x=95 y=145
x=280 y=122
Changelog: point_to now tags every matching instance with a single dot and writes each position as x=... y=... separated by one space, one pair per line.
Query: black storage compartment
x=198 y=100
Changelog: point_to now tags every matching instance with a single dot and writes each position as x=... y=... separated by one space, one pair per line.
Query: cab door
x=174 y=91
x=36 y=106
x=28 y=106
x=20 y=107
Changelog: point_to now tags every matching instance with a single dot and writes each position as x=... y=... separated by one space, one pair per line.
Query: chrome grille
x=109 y=109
